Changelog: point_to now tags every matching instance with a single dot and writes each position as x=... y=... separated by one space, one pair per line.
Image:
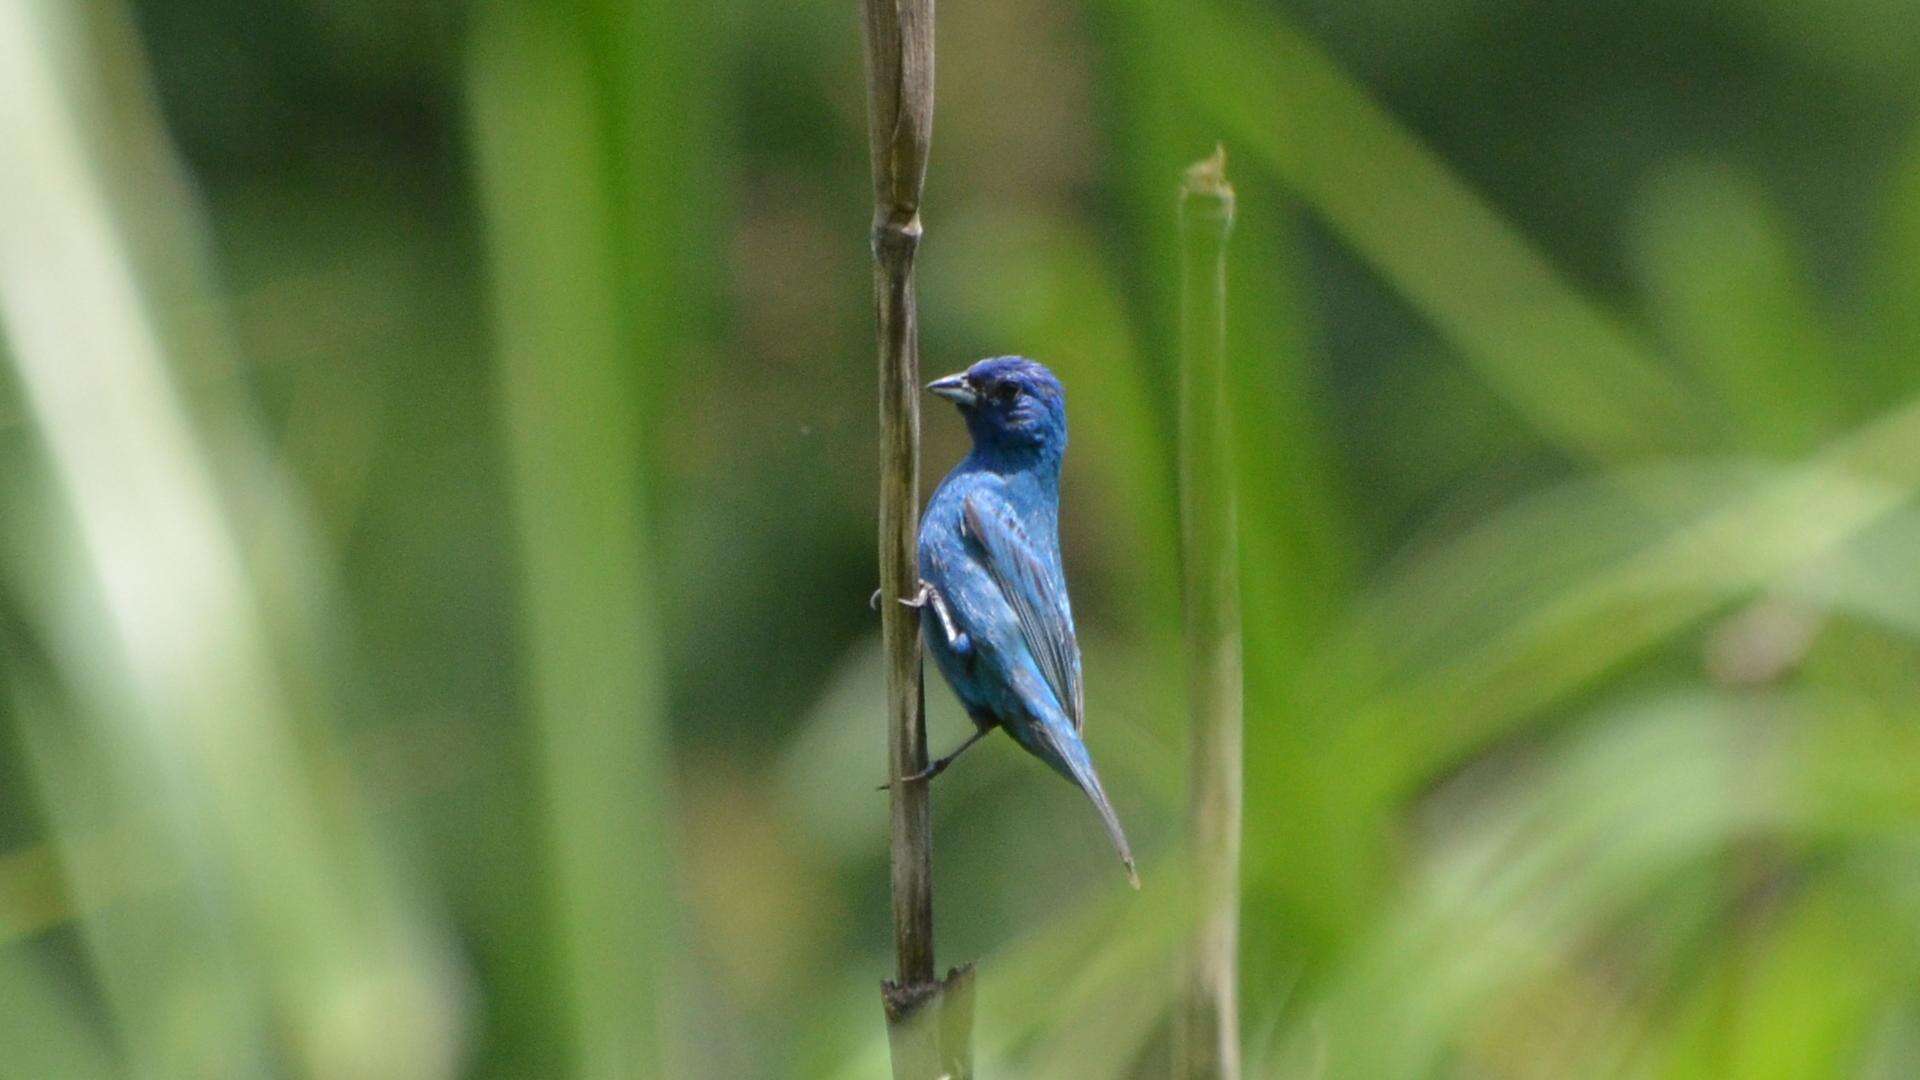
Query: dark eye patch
x=1005 y=392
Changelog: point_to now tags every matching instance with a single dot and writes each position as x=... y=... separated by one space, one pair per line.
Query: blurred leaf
x=577 y=464
x=1558 y=641
x=43 y=1032
x=1895 y=288
x=1580 y=376
x=1541 y=877
x=1727 y=288
x=186 y=723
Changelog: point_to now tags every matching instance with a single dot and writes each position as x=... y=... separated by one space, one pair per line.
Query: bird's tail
x=1090 y=783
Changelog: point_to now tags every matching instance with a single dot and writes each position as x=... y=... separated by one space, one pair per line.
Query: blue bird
x=1002 y=629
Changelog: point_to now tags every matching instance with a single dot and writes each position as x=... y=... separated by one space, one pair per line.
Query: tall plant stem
x=929 y=1020
x=1209 y=1029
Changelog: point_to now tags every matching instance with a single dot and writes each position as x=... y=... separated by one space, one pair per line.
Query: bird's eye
x=1005 y=392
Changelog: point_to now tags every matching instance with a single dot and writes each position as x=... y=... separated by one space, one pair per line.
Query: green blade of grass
x=1580 y=376
x=1565 y=640
x=281 y=932
x=1895 y=284
x=1728 y=298
x=574 y=440
x=1549 y=891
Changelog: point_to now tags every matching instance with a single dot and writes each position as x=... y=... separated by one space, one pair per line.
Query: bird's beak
x=954 y=388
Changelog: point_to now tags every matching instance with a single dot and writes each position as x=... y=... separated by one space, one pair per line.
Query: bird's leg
x=940 y=764
x=874 y=600
x=928 y=596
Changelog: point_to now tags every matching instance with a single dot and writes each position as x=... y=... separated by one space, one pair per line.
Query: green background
x=436 y=536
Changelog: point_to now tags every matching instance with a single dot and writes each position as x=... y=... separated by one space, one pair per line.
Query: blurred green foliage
x=440 y=443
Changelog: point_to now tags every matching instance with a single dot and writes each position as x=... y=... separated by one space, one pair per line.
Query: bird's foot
x=916 y=601
x=927 y=773
x=940 y=765
x=928 y=596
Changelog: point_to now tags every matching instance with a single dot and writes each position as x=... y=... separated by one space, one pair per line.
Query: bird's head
x=1011 y=404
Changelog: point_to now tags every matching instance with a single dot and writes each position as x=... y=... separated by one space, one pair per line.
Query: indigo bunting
x=1001 y=628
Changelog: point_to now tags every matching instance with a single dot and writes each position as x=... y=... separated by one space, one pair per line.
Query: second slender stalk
x=1209 y=1029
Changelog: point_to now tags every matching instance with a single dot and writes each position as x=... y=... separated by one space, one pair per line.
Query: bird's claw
x=916 y=601
x=939 y=765
x=929 y=597
x=927 y=773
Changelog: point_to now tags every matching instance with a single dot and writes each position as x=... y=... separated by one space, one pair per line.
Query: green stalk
x=1209 y=1031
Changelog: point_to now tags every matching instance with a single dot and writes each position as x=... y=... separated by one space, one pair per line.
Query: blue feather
x=990 y=551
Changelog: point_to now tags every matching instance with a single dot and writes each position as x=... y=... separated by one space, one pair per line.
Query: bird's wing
x=1037 y=593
